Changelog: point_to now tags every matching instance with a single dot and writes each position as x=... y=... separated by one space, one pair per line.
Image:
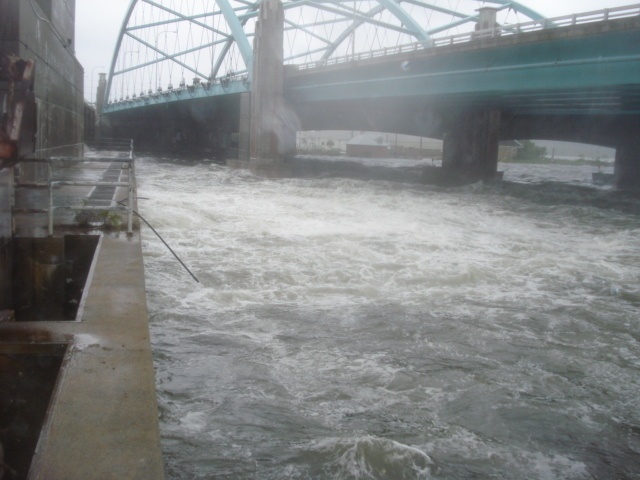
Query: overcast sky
x=98 y=23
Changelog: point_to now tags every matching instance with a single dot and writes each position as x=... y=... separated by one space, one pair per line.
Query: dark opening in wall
x=50 y=276
x=28 y=375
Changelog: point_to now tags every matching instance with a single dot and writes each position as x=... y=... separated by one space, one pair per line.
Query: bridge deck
x=593 y=68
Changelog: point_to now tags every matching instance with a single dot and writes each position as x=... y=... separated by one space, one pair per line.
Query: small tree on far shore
x=530 y=151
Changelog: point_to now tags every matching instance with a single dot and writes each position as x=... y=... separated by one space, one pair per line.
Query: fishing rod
x=162 y=239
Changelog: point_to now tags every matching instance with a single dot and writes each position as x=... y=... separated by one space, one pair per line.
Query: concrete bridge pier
x=627 y=164
x=470 y=147
x=267 y=127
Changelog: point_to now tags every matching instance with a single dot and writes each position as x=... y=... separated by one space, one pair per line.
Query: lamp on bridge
x=157 y=51
x=487 y=18
x=92 y=74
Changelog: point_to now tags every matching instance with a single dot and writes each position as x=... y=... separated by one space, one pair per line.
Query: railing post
x=130 y=209
x=606 y=14
x=50 y=224
x=132 y=179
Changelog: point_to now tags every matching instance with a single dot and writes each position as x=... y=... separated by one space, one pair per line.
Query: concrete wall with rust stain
x=45 y=31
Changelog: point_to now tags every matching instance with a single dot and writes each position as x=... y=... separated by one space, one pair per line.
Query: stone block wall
x=45 y=31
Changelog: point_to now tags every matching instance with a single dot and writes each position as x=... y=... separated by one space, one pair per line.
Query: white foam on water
x=550 y=467
x=372 y=458
x=193 y=422
x=465 y=320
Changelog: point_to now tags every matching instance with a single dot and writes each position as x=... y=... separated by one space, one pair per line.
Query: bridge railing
x=498 y=31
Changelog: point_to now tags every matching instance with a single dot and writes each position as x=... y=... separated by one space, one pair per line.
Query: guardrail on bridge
x=497 y=31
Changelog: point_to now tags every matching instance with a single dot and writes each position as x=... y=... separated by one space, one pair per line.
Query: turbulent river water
x=369 y=329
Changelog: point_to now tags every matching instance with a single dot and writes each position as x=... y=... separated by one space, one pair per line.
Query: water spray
x=162 y=240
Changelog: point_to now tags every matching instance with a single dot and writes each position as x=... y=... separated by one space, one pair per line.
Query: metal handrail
x=88 y=159
x=497 y=31
x=128 y=163
x=129 y=184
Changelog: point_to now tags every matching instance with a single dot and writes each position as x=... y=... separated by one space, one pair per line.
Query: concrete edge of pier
x=103 y=415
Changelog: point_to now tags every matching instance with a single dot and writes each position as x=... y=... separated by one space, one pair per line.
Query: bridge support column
x=627 y=165
x=244 y=129
x=271 y=130
x=470 y=148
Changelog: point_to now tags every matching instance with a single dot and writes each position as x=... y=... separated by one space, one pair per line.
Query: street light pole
x=157 y=36
x=124 y=62
x=91 y=95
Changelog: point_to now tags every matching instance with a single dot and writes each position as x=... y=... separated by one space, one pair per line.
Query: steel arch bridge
x=167 y=44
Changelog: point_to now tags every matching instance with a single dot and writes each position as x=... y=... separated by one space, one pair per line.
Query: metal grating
x=103 y=196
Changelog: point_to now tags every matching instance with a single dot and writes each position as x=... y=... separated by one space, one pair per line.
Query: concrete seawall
x=102 y=420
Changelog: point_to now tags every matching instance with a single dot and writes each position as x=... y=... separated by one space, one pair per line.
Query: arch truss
x=169 y=44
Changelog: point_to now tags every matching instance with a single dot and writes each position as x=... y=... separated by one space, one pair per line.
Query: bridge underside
x=474 y=130
x=207 y=124
x=204 y=125
x=433 y=118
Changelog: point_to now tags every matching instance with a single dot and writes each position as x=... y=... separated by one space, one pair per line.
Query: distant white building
x=508 y=149
x=368 y=145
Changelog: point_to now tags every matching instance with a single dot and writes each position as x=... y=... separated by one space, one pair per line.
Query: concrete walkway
x=103 y=417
